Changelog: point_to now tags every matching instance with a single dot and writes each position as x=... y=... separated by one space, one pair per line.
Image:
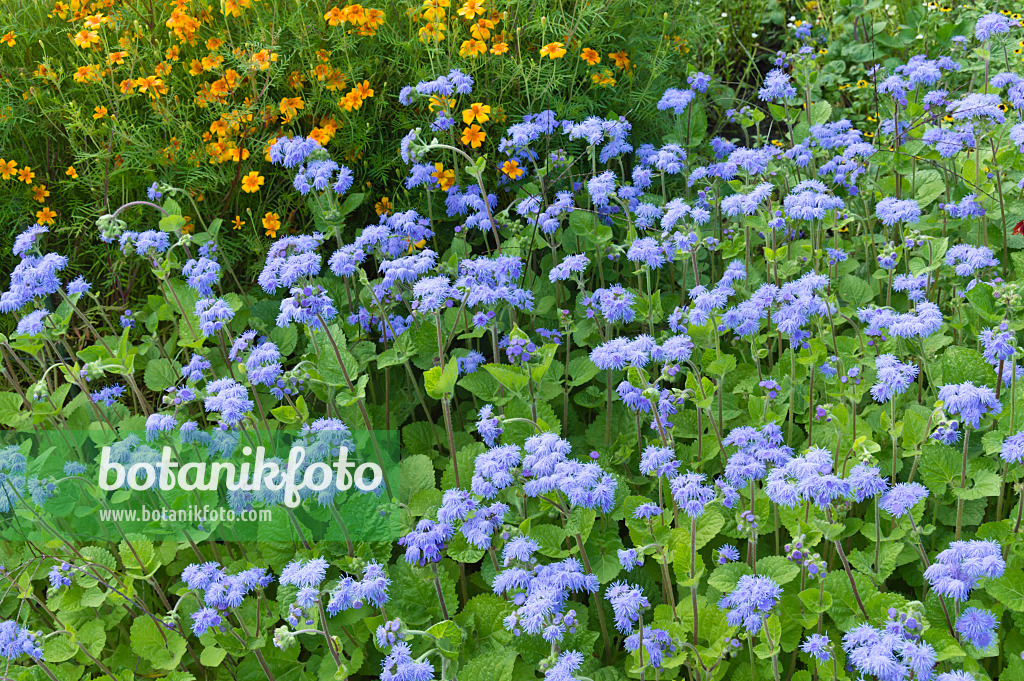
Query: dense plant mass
x=677 y=389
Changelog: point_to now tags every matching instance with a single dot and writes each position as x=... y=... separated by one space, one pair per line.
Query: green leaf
x=441 y=382
x=447 y=637
x=147 y=642
x=1008 y=590
x=491 y=666
x=855 y=290
x=961 y=364
x=212 y=657
x=161 y=374
x=724 y=577
x=780 y=569
x=513 y=378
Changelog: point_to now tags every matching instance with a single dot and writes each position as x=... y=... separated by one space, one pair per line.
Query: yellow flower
x=70 y=172
x=8 y=38
x=512 y=169
x=335 y=17
x=472 y=48
x=26 y=175
x=590 y=56
x=473 y=136
x=86 y=39
x=478 y=111
x=100 y=112
x=7 y=168
x=621 y=59
x=553 y=51
x=272 y=223
x=252 y=182
x=499 y=48
x=444 y=178
x=39 y=193
x=384 y=206
x=481 y=29
x=471 y=8
x=238 y=222
x=364 y=90
x=45 y=216
x=117 y=57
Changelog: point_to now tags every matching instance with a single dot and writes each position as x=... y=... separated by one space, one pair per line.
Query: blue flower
x=749 y=603
x=902 y=497
x=969 y=401
x=818 y=646
x=956 y=570
x=977 y=627
x=627 y=603
x=205 y=619
x=727 y=554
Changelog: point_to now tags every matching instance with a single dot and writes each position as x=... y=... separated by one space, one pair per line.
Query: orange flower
x=39 y=193
x=444 y=178
x=7 y=168
x=364 y=90
x=478 y=111
x=252 y=182
x=100 y=112
x=472 y=48
x=384 y=206
x=238 y=222
x=481 y=29
x=116 y=57
x=8 y=38
x=553 y=51
x=471 y=8
x=473 y=136
x=86 y=39
x=512 y=169
x=26 y=175
x=272 y=223
x=45 y=216
x=335 y=17
x=621 y=60
x=70 y=172
x=499 y=48
x=590 y=56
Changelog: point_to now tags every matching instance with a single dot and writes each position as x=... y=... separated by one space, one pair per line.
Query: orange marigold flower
x=364 y=90
x=252 y=182
x=481 y=28
x=499 y=48
x=26 y=175
x=8 y=38
x=238 y=222
x=45 y=216
x=553 y=51
x=7 y=168
x=471 y=8
x=39 y=193
x=384 y=206
x=271 y=223
x=621 y=59
x=590 y=56
x=445 y=178
x=472 y=48
x=70 y=172
x=476 y=111
x=99 y=112
x=473 y=136
x=86 y=39
x=512 y=169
